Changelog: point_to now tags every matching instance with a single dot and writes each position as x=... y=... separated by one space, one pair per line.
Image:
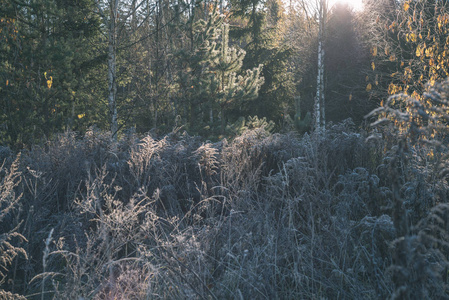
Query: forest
x=211 y=149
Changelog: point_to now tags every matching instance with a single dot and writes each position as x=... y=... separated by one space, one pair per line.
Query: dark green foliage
x=302 y=124
x=262 y=40
x=44 y=53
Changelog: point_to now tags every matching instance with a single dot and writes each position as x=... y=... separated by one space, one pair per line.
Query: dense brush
x=261 y=216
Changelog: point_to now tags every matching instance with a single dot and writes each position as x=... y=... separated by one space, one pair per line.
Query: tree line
x=209 y=66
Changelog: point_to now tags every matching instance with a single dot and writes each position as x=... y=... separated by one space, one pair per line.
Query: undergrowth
x=335 y=215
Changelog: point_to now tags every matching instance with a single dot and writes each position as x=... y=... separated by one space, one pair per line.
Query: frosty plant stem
x=44 y=260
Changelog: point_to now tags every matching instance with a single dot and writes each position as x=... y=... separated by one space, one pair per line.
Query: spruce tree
x=260 y=27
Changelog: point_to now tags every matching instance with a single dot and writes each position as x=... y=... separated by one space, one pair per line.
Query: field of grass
x=338 y=215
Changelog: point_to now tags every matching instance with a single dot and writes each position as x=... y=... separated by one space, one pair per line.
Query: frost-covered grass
x=261 y=216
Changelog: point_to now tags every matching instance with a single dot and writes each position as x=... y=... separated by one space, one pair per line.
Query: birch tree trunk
x=320 y=121
x=112 y=84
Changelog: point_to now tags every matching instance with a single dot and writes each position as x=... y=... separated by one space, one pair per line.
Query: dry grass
x=263 y=216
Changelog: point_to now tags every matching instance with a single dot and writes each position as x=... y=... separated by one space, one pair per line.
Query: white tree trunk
x=318 y=88
x=322 y=103
x=112 y=84
x=320 y=121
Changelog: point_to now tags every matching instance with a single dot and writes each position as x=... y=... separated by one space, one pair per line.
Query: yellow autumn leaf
x=350 y=97
x=373 y=66
x=402 y=63
x=369 y=87
x=406 y=5
x=418 y=51
x=392 y=89
x=7 y=82
x=392 y=58
x=374 y=51
x=366 y=78
x=49 y=82
x=80 y=116
x=392 y=25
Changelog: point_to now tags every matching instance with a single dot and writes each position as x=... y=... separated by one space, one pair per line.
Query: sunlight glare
x=357 y=5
